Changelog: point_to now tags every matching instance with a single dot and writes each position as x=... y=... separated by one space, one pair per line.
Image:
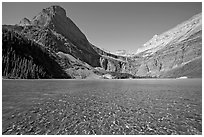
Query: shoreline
x=103 y=79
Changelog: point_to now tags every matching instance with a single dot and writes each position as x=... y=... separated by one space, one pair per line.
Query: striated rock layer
x=173 y=36
x=172 y=53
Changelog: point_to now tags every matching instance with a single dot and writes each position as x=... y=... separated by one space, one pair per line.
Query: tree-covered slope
x=23 y=58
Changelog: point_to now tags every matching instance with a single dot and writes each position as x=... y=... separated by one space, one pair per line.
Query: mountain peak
x=24 y=22
x=55 y=10
x=54 y=18
x=46 y=16
x=176 y=34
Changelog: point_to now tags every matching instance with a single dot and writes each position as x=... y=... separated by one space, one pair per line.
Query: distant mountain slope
x=123 y=53
x=22 y=58
x=166 y=54
x=173 y=36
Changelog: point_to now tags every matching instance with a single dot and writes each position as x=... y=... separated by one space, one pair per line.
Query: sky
x=112 y=26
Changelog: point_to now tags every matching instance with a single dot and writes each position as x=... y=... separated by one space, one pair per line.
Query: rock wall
x=170 y=57
x=176 y=35
x=53 y=29
x=112 y=65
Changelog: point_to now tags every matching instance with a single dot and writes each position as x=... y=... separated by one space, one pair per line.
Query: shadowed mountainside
x=22 y=58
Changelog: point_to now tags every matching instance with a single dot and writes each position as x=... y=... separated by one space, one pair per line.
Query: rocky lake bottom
x=107 y=107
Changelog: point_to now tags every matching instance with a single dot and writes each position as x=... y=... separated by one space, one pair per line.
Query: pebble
x=115 y=116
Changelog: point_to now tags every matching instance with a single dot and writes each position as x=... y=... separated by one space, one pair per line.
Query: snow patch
x=184 y=77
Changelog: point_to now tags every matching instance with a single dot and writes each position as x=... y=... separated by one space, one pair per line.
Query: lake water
x=146 y=106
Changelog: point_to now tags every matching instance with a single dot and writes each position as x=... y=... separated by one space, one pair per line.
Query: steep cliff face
x=22 y=58
x=112 y=64
x=53 y=29
x=173 y=51
x=55 y=18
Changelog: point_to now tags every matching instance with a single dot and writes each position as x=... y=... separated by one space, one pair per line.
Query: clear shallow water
x=162 y=106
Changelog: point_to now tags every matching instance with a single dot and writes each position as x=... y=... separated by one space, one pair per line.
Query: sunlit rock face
x=52 y=28
x=175 y=53
x=172 y=53
x=55 y=18
x=24 y=22
x=173 y=36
